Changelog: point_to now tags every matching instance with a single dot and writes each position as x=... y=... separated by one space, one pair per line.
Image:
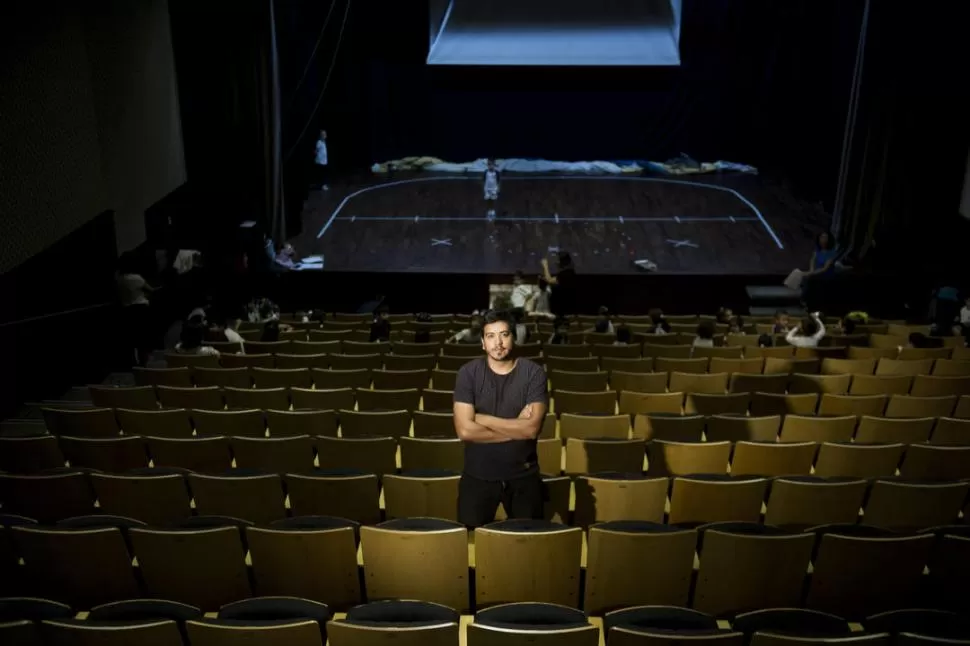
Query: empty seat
x=950 y=570
x=204 y=455
x=809 y=501
x=951 y=368
x=933 y=625
x=332 y=399
x=880 y=385
x=80 y=632
x=437 y=401
x=841 y=405
x=793 y=622
x=260 y=360
x=433 y=424
x=848 y=366
x=594 y=426
x=695 y=500
x=753 y=383
x=256 y=498
x=395 y=553
x=527 y=560
x=709 y=404
x=579 y=381
x=936 y=386
x=81 y=422
x=444 y=379
x=26 y=455
x=682 y=366
x=135 y=398
x=763 y=404
x=837 y=459
x=665 y=626
x=907 y=506
x=173 y=422
x=220 y=632
x=239 y=423
x=646 y=382
x=46 y=498
x=550 y=455
x=532 y=623
x=809 y=428
x=609 y=497
x=203 y=567
x=634 y=563
x=105 y=454
x=837 y=384
x=715 y=383
x=626 y=366
x=310 y=562
x=257 y=398
x=425 y=453
x=572 y=364
x=672 y=428
x=634 y=403
x=935 y=462
x=222 y=377
x=773 y=459
x=593 y=456
x=745 y=566
x=274 y=455
x=407 y=623
x=82 y=568
x=807 y=366
x=354 y=496
x=153 y=499
x=285 y=423
x=856 y=576
x=407 y=399
x=734 y=428
x=580 y=403
x=369 y=424
x=904 y=366
x=858 y=639
x=208 y=398
x=749 y=365
x=666 y=458
x=370 y=454
x=401 y=379
x=334 y=378
x=909 y=406
x=950 y=430
x=888 y=430
x=420 y=494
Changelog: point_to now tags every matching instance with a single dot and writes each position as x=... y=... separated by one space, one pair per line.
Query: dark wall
x=762 y=82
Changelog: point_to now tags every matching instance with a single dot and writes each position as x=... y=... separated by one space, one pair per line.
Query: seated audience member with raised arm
x=499 y=405
x=808 y=333
x=471 y=334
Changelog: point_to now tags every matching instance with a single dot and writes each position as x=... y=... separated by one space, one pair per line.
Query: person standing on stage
x=321 y=160
x=492 y=179
x=563 y=285
x=499 y=405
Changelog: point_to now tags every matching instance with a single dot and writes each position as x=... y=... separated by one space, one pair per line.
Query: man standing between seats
x=499 y=405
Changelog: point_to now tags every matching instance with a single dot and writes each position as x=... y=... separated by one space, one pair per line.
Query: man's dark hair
x=623 y=334
x=565 y=260
x=809 y=326
x=497 y=316
x=705 y=330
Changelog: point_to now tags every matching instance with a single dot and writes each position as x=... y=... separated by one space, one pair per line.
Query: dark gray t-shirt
x=501 y=396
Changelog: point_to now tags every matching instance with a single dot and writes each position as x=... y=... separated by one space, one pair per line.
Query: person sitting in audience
x=705 y=335
x=230 y=330
x=472 y=333
x=560 y=334
x=623 y=335
x=736 y=325
x=659 y=323
x=604 y=322
x=262 y=310
x=808 y=334
x=523 y=294
x=781 y=324
x=724 y=315
x=380 y=327
x=190 y=340
x=271 y=332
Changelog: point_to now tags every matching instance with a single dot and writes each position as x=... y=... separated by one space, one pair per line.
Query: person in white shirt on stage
x=492 y=181
x=321 y=161
x=808 y=334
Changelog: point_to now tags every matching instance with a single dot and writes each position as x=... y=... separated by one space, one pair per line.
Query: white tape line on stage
x=475 y=178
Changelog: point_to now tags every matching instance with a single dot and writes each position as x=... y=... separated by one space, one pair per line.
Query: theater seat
x=663 y=626
x=407 y=623
x=532 y=623
x=82 y=632
x=791 y=621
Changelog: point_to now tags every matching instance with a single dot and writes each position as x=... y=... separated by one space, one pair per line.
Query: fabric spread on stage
x=682 y=165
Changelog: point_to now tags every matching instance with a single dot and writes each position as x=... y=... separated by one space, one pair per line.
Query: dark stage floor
x=711 y=224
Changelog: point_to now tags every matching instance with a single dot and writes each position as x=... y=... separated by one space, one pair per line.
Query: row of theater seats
x=164 y=496
x=718 y=568
x=609 y=358
x=182 y=423
x=300 y=622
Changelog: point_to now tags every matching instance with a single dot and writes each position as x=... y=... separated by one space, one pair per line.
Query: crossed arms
x=487 y=429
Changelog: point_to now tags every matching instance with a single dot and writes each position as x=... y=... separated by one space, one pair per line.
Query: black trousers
x=321 y=174
x=478 y=499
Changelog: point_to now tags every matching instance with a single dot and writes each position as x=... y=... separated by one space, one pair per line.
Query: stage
x=713 y=224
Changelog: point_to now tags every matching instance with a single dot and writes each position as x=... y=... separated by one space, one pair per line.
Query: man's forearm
x=518 y=429
x=479 y=434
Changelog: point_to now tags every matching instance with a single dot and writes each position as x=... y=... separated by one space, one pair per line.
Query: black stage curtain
x=226 y=61
x=908 y=153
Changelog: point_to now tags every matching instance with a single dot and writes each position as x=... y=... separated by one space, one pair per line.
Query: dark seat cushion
x=619 y=475
x=932 y=623
x=791 y=621
x=420 y=524
x=535 y=616
x=205 y=522
x=275 y=608
x=746 y=528
x=17 y=608
x=313 y=522
x=667 y=618
x=525 y=525
x=637 y=527
x=401 y=613
x=144 y=610
x=13 y=520
x=859 y=531
x=95 y=521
